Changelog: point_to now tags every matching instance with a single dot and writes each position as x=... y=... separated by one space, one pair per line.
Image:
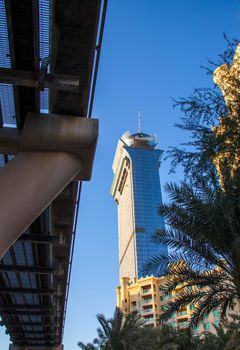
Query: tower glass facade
x=136 y=189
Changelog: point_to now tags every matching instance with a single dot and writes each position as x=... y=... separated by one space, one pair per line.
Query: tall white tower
x=136 y=190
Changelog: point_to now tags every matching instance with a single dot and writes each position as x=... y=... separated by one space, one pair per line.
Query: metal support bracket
x=57 y=133
x=51 y=151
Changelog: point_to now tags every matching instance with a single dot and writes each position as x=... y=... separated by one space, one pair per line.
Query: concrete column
x=119 y=301
x=28 y=184
x=124 y=282
x=28 y=347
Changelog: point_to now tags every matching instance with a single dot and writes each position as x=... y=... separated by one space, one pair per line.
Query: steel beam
x=42 y=270
x=26 y=307
x=34 y=337
x=20 y=333
x=43 y=239
x=20 y=28
x=13 y=324
x=61 y=82
x=39 y=291
x=47 y=313
x=34 y=340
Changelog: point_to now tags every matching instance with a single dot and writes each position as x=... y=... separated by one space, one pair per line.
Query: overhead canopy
x=48 y=63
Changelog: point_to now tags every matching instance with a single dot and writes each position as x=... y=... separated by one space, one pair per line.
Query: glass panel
x=44 y=28
x=147 y=198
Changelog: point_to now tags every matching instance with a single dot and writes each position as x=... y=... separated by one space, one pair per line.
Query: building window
x=140 y=229
x=146 y=289
x=147 y=300
x=149 y=319
x=182 y=313
x=123 y=181
x=215 y=313
x=133 y=305
x=206 y=326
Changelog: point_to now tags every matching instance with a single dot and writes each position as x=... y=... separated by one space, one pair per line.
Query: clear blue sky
x=152 y=51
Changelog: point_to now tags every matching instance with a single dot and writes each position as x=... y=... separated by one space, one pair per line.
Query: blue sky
x=152 y=51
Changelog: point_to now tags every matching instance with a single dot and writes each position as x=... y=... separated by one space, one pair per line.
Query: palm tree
x=163 y=338
x=116 y=333
x=204 y=218
x=231 y=338
x=88 y=346
x=203 y=234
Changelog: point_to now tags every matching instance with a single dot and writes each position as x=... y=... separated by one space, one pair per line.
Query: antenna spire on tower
x=139 y=121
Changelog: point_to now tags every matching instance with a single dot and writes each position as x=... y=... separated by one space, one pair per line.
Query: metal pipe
x=98 y=48
x=71 y=254
x=28 y=184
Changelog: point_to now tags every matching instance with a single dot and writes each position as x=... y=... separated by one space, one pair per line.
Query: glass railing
x=182 y=313
x=183 y=324
x=147 y=301
x=147 y=310
x=144 y=291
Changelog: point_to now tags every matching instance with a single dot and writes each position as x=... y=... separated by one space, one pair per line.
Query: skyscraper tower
x=136 y=190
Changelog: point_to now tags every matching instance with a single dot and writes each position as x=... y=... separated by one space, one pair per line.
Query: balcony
x=182 y=313
x=147 y=301
x=147 y=310
x=183 y=323
x=146 y=291
x=149 y=320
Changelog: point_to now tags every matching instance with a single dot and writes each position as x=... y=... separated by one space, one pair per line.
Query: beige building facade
x=146 y=295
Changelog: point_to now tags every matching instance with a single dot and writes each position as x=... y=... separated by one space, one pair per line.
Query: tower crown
x=140 y=140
